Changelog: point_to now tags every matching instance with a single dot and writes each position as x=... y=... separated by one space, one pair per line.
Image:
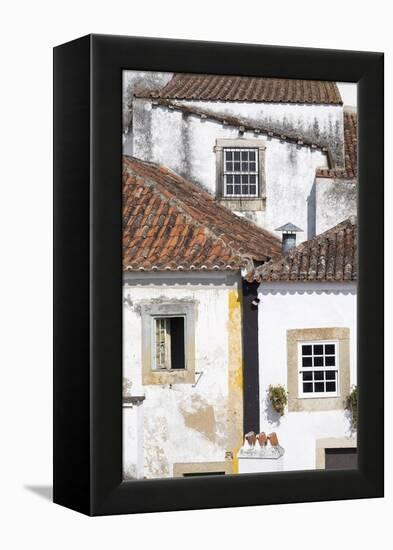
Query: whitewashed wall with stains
x=185 y=144
x=286 y=306
x=320 y=123
x=335 y=201
x=181 y=423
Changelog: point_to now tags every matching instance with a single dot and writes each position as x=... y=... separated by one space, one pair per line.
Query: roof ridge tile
x=207 y=87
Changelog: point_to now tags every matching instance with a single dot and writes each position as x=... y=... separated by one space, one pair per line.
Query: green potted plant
x=351 y=404
x=278 y=396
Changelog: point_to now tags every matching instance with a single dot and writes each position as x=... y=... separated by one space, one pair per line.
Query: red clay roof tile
x=350 y=151
x=173 y=224
x=330 y=256
x=246 y=88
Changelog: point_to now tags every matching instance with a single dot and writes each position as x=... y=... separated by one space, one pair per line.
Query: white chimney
x=288 y=236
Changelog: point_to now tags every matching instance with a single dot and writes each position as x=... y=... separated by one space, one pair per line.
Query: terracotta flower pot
x=273 y=439
x=251 y=438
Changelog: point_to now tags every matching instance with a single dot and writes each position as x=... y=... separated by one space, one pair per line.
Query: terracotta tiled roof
x=245 y=88
x=170 y=224
x=350 y=149
x=330 y=256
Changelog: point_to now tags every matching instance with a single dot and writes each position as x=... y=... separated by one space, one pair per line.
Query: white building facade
x=183 y=426
x=293 y=316
x=213 y=314
x=182 y=325
x=307 y=339
x=295 y=138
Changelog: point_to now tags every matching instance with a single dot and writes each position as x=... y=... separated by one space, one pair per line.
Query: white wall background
x=283 y=307
x=28 y=32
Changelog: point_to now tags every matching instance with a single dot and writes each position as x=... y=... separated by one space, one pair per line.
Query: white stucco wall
x=168 y=412
x=185 y=144
x=335 y=201
x=320 y=122
x=133 y=81
x=132 y=441
x=286 y=306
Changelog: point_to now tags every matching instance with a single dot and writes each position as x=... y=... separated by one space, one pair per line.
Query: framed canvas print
x=218 y=296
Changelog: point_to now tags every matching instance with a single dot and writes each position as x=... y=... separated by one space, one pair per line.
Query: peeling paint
x=182 y=423
x=155 y=460
x=201 y=418
x=127 y=387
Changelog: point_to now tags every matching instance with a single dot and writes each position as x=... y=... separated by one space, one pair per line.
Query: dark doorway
x=342 y=458
x=193 y=474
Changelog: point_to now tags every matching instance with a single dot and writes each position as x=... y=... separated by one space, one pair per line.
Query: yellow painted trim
x=235 y=375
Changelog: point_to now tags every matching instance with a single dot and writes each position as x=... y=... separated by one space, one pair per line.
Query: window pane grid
x=241 y=172
x=318 y=369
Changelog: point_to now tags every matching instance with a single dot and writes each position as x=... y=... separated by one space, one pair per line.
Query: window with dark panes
x=240 y=172
x=318 y=369
x=169 y=343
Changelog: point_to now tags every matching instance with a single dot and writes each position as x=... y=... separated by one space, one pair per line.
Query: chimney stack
x=288 y=236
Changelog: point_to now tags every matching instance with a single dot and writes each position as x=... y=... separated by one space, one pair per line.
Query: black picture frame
x=88 y=275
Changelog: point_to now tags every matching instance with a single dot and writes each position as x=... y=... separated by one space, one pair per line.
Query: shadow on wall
x=352 y=429
x=272 y=416
x=311 y=213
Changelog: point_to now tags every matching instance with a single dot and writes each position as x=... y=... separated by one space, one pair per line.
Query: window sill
x=163 y=377
x=243 y=204
x=319 y=396
x=310 y=404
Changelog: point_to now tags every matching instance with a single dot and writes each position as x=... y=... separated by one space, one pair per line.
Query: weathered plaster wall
x=132 y=442
x=335 y=201
x=183 y=423
x=296 y=306
x=133 y=81
x=320 y=123
x=185 y=144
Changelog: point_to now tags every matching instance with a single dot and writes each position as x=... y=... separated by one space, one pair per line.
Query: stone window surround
x=294 y=336
x=151 y=310
x=181 y=468
x=312 y=369
x=331 y=443
x=242 y=203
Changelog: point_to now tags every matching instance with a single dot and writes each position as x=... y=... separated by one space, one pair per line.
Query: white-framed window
x=241 y=172
x=318 y=363
x=168 y=341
